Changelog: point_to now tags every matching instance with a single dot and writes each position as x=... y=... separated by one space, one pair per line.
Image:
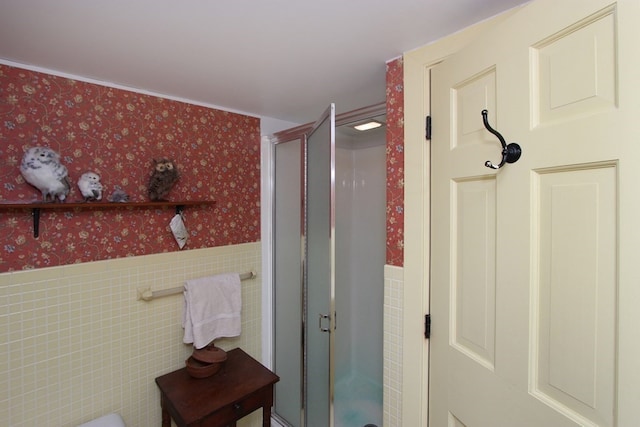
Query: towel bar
x=146 y=294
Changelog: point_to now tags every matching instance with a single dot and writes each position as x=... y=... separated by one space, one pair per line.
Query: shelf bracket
x=35 y=213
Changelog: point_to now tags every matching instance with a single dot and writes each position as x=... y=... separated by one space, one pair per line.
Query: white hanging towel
x=212 y=307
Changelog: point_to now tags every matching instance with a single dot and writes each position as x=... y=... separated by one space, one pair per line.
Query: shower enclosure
x=328 y=260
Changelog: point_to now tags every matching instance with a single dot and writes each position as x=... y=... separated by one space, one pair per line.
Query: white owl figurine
x=41 y=168
x=90 y=186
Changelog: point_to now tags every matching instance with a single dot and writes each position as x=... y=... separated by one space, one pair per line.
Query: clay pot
x=210 y=354
x=198 y=369
x=206 y=361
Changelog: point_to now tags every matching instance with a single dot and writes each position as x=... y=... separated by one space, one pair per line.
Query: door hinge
x=427 y=326
x=427 y=128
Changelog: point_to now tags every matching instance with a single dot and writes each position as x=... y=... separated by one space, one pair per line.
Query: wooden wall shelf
x=37 y=207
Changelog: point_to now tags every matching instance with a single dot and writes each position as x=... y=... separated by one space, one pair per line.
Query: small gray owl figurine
x=41 y=168
x=164 y=176
x=90 y=186
x=118 y=196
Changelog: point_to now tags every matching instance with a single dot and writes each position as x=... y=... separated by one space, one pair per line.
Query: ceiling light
x=368 y=125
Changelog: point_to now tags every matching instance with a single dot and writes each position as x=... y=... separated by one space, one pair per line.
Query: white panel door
x=535 y=278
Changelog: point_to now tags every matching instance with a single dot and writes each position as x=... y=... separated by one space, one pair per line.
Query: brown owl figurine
x=164 y=176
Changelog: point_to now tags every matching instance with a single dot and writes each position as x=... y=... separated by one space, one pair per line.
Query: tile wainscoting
x=393 y=306
x=76 y=343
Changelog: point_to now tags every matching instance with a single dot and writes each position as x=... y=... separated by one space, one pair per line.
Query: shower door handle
x=321 y=317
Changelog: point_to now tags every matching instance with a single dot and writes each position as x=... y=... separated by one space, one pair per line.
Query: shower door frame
x=300 y=134
x=319 y=269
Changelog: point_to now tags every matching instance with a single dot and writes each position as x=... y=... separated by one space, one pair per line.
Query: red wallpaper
x=117 y=133
x=395 y=163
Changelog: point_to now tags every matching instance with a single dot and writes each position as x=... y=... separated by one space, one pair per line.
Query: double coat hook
x=510 y=153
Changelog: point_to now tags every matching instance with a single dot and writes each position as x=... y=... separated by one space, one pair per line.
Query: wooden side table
x=239 y=388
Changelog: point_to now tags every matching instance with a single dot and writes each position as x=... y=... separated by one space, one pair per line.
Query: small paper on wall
x=179 y=230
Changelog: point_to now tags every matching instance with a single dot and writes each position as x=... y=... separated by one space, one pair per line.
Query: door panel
x=588 y=46
x=473 y=291
x=529 y=326
x=478 y=91
x=320 y=270
x=573 y=350
x=287 y=257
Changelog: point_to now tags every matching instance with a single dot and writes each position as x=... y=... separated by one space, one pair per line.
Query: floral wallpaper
x=395 y=163
x=117 y=133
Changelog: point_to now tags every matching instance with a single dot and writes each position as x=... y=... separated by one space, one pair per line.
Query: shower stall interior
x=329 y=203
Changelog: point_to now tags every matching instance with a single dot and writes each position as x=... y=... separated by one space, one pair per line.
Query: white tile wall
x=76 y=344
x=393 y=297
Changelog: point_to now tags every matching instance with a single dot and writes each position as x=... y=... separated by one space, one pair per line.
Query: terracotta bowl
x=198 y=369
x=210 y=354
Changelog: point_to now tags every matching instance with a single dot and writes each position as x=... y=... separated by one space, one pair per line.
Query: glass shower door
x=288 y=223
x=319 y=271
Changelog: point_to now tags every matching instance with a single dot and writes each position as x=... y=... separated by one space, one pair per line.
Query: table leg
x=266 y=416
x=166 y=417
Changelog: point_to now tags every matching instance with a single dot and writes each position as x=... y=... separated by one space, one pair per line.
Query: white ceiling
x=284 y=59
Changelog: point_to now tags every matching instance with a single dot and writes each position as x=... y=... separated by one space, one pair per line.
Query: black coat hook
x=510 y=153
